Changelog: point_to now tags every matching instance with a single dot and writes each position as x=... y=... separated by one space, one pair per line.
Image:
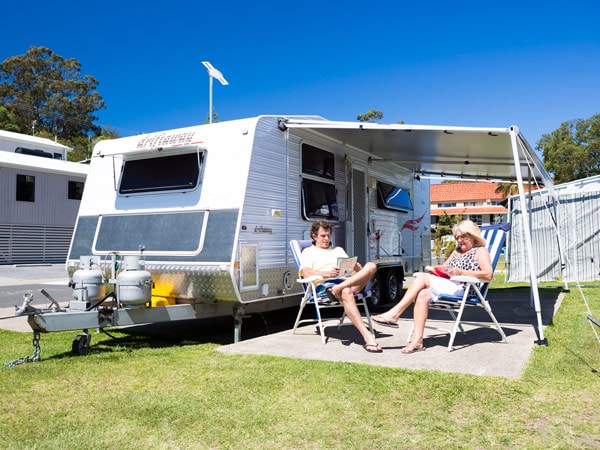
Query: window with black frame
x=161 y=173
x=319 y=196
x=319 y=200
x=393 y=197
x=25 y=188
x=75 y=190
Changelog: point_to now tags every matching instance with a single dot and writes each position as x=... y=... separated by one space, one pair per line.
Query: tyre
x=376 y=299
x=393 y=286
x=81 y=345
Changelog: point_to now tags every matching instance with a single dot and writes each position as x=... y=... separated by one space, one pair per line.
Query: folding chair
x=319 y=297
x=476 y=289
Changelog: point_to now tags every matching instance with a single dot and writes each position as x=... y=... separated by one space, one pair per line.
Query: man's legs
x=355 y=317
x=358 y=281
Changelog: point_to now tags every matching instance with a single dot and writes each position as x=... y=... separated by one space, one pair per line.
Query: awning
x=465 y=152
x=477 y=153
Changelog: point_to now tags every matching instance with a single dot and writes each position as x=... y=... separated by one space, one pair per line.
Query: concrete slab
x=480 y=352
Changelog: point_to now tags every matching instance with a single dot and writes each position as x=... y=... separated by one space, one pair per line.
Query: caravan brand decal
x=259 y=229
x=412 y=224
x=166 y=140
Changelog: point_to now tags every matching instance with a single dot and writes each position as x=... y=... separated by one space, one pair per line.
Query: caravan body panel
x=223 y=238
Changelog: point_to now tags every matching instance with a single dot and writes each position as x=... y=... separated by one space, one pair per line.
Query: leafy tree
x=506 y=189
x=442 y=246
x=572 y=151
x=7 y=120
x=372 y=116
x=215 y=117
x=83 y=146
x=46 y=92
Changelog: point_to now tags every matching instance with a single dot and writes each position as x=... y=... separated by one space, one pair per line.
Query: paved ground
x=480 y=352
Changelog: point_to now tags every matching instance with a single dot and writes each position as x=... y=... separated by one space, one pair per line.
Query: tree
x=215 y=117
x=46 y=92
x=442 y=246
x=8 y=120
x=372 y=116
x=572 y=151
x=506 y=189
x=83 y=145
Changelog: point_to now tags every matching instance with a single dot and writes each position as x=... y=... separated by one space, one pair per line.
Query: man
x=321 y=259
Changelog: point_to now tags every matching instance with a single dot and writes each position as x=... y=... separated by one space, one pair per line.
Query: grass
x=144 y=391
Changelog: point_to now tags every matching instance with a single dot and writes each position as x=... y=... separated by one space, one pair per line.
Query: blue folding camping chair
x=318 y=297
x=475 y=290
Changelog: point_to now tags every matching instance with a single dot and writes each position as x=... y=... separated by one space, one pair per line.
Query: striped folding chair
x=475 y=291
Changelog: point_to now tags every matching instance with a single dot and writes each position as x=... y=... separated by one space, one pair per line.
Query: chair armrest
x=467 y=279
x=310 y=279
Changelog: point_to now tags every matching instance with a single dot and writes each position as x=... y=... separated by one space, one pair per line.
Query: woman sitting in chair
x=470 y=258
x=321 y=259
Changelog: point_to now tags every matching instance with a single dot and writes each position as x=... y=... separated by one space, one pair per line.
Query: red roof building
x=475 y=200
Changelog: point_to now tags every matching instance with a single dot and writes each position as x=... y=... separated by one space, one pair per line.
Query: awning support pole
x=526 y=229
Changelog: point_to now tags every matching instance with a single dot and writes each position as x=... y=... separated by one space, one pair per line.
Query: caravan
x=208 y=211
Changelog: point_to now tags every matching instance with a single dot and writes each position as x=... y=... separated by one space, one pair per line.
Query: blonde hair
x=470 y=228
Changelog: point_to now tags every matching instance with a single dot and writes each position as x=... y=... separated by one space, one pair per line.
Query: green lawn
x=147 y=392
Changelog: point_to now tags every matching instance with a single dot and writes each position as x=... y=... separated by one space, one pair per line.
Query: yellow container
x=161 y=301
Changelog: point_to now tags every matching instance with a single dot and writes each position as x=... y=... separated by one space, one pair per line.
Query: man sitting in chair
x=321 y=259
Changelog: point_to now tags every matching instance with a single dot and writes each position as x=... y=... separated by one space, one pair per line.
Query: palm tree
x=506 y=189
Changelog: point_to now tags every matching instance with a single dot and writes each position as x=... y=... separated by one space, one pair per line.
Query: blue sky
x=534 y=65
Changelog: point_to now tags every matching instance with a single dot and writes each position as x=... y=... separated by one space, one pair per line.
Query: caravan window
x=317 y=162
x=319 y=200
x=165 y=173
x=393 y=197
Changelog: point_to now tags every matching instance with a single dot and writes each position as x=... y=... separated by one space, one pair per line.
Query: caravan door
x=357 y=207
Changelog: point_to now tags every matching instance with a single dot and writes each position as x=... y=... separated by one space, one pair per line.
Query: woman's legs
x=420 y=283
x=420 y=312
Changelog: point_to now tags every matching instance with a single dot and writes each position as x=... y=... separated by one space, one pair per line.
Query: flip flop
x=412 y=350
x=330 y=295
x=373 y=348
x=384 y=322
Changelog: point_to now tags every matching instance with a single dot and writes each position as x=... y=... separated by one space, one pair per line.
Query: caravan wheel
x=393 y=286
x=376 y=299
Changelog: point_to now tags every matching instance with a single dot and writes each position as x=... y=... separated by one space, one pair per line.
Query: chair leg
x=488 y=308
x=302 y=305
x=368 y=316
x=457 y=324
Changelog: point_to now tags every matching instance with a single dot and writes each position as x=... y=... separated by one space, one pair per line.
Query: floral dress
x=464 y=261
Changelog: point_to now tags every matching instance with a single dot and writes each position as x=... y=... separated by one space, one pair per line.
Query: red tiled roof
x=464 y=192
x=468 y=210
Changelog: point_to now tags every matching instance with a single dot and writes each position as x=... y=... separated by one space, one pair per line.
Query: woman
x=470 y=258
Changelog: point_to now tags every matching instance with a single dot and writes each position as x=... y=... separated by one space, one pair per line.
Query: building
x=474 y=200
x=40 y=193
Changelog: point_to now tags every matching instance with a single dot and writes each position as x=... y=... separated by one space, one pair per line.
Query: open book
x=346 y=266
x=440 y=271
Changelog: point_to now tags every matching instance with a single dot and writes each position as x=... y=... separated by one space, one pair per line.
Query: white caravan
x=208 y=212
